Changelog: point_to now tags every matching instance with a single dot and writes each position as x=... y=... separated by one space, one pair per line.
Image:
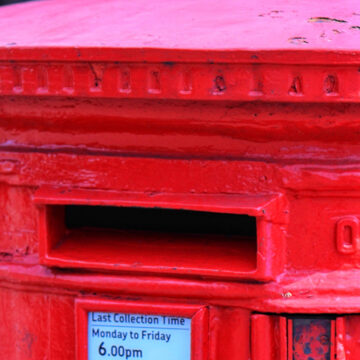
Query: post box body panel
x=212 y=178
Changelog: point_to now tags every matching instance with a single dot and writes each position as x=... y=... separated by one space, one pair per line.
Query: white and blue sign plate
x=138 y=336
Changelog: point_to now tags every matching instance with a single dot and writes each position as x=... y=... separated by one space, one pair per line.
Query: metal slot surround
x=223 y=236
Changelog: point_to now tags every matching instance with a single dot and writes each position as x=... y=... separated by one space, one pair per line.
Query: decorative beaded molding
x=245 y=82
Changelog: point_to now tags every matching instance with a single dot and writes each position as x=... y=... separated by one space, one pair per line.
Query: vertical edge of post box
x=272 y=220
x=262 y=337
x=338 y=344
x=229 y=332
x=81 y=340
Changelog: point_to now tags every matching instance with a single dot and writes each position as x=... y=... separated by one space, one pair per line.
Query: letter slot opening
x=171 y=221
x=144 y=237
x=207 y=236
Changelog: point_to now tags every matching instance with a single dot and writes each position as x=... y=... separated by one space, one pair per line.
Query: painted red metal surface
x=220 y=108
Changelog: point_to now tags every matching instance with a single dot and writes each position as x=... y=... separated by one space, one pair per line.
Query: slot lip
x=269 y=209
x=130 y=261
x=260 y=204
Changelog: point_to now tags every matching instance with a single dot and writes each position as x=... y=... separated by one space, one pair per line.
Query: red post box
x=180 y=180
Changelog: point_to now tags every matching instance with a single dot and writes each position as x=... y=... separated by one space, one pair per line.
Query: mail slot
x=154 y=233
x=179 y=180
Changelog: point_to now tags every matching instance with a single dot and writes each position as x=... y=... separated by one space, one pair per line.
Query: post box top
x=186 y=28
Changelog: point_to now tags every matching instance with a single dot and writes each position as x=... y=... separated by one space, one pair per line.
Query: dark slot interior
x=159 y=220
